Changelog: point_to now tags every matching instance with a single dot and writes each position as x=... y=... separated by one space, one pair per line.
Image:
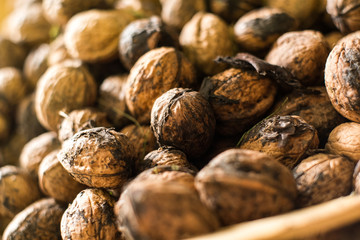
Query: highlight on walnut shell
x=285 y=138
x=184 y=119
x=241 y=185
x=98 y=157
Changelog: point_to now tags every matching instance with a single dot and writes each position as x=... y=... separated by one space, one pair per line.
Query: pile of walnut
x=167 y=119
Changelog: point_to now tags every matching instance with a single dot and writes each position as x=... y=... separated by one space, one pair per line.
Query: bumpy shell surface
x=98 y=157
x=93 y=35
x=342 y=73
x=184 y=119
x=286 y=138
x=303 y=53
x=36 y=64
x=12 y=85
x=63 y=88
x=11 y=54
x=203 y=39
x=241 y=185
x=156 y=72
x=39 y=221
x=345 y=14
x=323 y=177
x=238 y=97
x=36 y=149
x=90 y=216
x=55 y=181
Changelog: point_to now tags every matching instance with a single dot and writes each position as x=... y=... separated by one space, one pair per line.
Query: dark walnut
x=6 y=118
x=36 y=149
x=241 y=185
x=205 y=37
x=342 y=73
x=303 y=53
x=58 y=12
x=344 y=140
x=183 y=118
x=154 y=207
x=10 y=150
x=345 y=14
x=112 y=100
x=12 y=85
x=81 y=119
x=314 y=106
x=258 y=29
x=63 y=88
x=18 y=190
x=90 y=216
x=39 y=221
x=98 y=157
x=323 y=177
x=11 y=54
x=156 y=72
x=239 y=97
x=55 y=181
x=142 y=35
x=93 y=35
x=285 y=138
x=143 y=140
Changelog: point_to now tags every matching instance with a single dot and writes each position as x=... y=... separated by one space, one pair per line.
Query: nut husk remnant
x=63 y=88
x=40 y=220
x=345 y=14
x=239 y=97
x=286 y=138
x=242 y=185
x=156 y=72
x=323 y=177
x=303 y=53
x=90 y=216
x=184 y=119
x=98 y=157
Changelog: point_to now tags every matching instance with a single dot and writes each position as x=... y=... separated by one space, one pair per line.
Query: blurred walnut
x=141 y=8
x=12 y=85
x=10 y=150
x=11 y=54
x=345 y=14
x=57 y=52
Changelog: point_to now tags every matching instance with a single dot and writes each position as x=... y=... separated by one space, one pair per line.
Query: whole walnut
x=63 y=88
x=93 y=35
x=239 y=97
x=242 y=185
x=345 y=14
x=322 y=177
x=156 y=72
x=184 y=119
x=12 y=85
x=203 y=39
x=40 y=220
x=98 y=157
x=341 y=77
x=11 y=54
x=90 y=216
x=303 y=53
x=285 y=138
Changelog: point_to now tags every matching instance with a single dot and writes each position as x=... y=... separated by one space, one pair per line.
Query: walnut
x=183 y=118
x=242 y=185
x=239 y=97
x=345 y=14
x=156 y=72
x=12 y=85
x=142 y=8
x=303 y=53
x=63 y=88
x=90 y=216
x=57 y=52
x=285 y=138
x=11 y=54
x=323 y=177
x=10 y=150
x=204 y=38
x=98 y=157
x=356 y=176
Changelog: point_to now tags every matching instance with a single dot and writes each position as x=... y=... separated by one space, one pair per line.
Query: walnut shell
x=356 y=176
x=323 y=177
x=285 y=138
x=63 y=88
x=93 y=35
x=303 y=53
x=40 y=220
x=57 y=52
x=183 y=118
x=90 y=216
x=345 y=14
x=239 y=97
x=12 y=85
x=156 y=72
x=55 y=181
x=142 y=8
x=36 y=149
x=242 y=185
x=204 y=38
x=98 y=157
x=11 y=54
x=11 y=149
x=342 y=77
